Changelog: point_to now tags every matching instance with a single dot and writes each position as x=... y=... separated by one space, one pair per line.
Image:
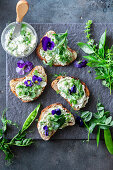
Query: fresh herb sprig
x=99 y=56
x=19 y=139
x=102 y=121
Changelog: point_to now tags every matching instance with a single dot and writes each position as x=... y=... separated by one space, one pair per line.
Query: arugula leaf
x=108 y=140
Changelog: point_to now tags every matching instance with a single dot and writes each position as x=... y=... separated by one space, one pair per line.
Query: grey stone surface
x=18 y=111
x=57 y=154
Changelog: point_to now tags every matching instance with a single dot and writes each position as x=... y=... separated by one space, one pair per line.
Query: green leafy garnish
x=60 y=49
x=99 y=56
x=108 y=140
x=102 y=121
x=19 y=139
x=60 y=74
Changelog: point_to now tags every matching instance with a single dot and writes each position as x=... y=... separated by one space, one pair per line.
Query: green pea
x=65 y=83
x=30 y=118
x=74 y=102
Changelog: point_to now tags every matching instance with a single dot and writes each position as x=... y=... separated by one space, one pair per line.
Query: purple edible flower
x=45 y=127
x=47 y=43
x=46 y=130
x=28 y=66
x=53 y=112
x=56 y=111
x=28 y=83
x=20 y=64
x=23 y=67
x=20 y=71
x=36 y=79
x=73 y=89
x=80 y=64
x=79 y=121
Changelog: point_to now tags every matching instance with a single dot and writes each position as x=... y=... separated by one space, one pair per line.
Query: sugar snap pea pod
x=108 y=140
x=30 y=118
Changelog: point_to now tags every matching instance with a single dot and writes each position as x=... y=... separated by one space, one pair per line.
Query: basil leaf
x=30 y=118
x=102 y=40
x=86 y=48
x=108 y=140
x=98 y=136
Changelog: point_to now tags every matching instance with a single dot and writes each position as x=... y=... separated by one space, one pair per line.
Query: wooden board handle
x=21 y=9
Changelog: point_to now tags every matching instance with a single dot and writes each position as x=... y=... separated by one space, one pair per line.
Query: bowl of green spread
x=22 y=45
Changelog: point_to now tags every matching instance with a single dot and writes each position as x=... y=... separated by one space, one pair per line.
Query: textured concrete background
x=63 y=154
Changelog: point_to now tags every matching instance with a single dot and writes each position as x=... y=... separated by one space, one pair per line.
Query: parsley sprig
x=102 y=121
x=99 y=56
x=19 y=139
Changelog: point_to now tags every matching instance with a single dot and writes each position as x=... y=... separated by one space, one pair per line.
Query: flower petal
x=80 y=64
x=53 y=112
x=20 y=63
x=58 y=111
x=45 y=127
x=20 y=71
x=45 y=42
x=28 y=83
x=73 y=89
x=51 y=45
x=28 y=66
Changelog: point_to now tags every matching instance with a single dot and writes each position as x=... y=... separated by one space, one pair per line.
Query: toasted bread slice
x=74 y=54
x=15 y=81
x=45 y=112
x=55 y=87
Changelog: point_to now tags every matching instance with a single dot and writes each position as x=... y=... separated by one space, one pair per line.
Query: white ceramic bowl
x=5 y=31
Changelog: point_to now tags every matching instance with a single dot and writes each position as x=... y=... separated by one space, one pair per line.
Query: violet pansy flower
x=56 y=111
x=46 y=130
x=28 y=83
x=47 y=44
x=20 y=64
x=73 y=89
x=36 y=79
x=80 y=64
x=23 y=67
x=20 y=71
x=28 y=66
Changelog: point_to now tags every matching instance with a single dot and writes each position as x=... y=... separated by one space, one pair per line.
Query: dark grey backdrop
x=57 y=154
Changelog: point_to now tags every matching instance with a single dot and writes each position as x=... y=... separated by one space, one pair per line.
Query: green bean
x=30 y=118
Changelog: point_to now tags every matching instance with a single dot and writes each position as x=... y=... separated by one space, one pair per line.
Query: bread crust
x=40 y=46
x=15 y=81
x=54 y=86
x=44 y=137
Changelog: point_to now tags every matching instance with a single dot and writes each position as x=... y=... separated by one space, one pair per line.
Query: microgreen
x=19 y=139
x=60 y=74
x=99 y=56
x=102 y=121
